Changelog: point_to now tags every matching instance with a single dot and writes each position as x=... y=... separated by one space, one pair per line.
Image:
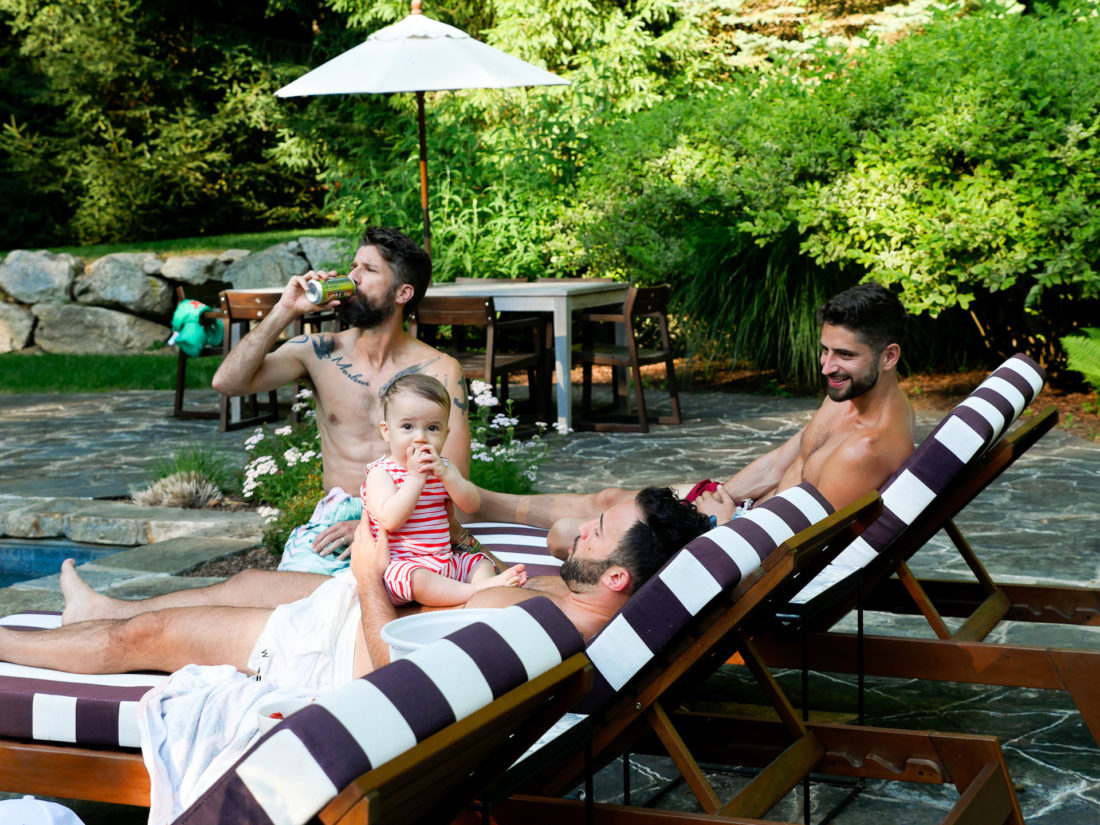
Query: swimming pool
x=23 y=559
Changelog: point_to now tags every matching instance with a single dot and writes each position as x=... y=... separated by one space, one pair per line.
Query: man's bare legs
x=249 y=588
x=162 y=640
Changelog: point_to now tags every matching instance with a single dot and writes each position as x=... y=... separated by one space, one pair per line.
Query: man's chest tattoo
x=324 y=346
x=401 y=373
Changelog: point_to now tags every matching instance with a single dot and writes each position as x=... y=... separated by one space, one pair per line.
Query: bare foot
x=515 y=576
x=82 y=603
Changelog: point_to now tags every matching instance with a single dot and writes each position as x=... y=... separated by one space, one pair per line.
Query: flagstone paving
x=62 y=455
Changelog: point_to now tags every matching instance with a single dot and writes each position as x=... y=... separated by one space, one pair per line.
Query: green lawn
x=53 y=373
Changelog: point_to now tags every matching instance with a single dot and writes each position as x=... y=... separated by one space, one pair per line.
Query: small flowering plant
x=498 y=460
x=283 y=473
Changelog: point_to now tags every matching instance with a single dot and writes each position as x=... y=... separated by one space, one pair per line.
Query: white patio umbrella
x=419 y=55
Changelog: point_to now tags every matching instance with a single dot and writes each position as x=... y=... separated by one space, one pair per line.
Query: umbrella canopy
x=419 y=55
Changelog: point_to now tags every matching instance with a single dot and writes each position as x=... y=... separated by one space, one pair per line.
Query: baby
x=406 y=494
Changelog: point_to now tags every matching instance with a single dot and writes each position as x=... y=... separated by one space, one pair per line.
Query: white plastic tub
x=412 y=632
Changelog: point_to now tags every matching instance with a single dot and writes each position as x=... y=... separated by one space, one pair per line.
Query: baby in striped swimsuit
x=406 y=494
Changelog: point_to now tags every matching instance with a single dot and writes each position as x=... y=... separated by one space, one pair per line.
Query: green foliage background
x=750 y=158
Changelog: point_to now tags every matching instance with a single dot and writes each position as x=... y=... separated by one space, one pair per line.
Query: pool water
x=24 y=559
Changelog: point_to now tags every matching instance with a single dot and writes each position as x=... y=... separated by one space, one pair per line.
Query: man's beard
x=359 y=312
x=586 y=572
x=856 y=386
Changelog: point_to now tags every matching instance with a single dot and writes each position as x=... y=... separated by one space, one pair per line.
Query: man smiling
x=861 y=433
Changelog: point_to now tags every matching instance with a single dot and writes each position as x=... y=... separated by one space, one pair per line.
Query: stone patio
x=63 y=455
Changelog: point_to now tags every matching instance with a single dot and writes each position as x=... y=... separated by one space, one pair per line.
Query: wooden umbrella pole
x=424 y=172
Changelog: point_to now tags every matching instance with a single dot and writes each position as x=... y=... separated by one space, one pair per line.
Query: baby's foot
x=515 y=576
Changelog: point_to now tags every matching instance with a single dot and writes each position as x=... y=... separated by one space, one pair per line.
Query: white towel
x=193 y=728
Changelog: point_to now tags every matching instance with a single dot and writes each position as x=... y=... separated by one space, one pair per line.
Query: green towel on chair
x=191 y=332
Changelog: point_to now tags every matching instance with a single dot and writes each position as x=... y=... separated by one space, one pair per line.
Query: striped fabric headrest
x=967 y=432
x=295 y=769
x=707 y=566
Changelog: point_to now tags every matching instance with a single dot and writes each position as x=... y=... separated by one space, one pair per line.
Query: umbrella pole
x=423 y=172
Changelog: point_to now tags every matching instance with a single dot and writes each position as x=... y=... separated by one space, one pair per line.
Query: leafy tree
x=145 y=118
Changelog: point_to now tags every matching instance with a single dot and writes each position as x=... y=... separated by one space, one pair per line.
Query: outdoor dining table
x=560 y=297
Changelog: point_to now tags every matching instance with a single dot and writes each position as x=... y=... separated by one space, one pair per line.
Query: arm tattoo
x=323 y=347
x=462 y=400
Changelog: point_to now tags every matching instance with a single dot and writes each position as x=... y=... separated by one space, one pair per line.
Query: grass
x=206 y=462
x=209 y=244
x=41 y=372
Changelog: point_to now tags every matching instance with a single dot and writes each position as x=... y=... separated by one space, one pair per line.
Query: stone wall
x=124 y=302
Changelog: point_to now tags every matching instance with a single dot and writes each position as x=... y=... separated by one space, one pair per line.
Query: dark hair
x=667 y=525
x=871 y=311
x=409 y=263
x=419 y=384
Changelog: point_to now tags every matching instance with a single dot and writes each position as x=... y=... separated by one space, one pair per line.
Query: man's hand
x=718 y=504
x=336 y=538
x=294 y=296
x=370 y=556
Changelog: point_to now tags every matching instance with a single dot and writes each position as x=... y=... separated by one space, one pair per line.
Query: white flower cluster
x=262 y=465
x=302 y=403
x=268 y=514
x=483 y=394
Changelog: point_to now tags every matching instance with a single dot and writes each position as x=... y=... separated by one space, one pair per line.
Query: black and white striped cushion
x=75 y=708
x=300 y=765
x=704 y=568
x=967 y=432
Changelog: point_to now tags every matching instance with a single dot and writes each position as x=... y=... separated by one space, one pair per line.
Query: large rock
x=80 y=329
x=328 y=253
x=16 y=323
x=273 y=266
x=194 y=269
x=37 y=277
x=120 y=281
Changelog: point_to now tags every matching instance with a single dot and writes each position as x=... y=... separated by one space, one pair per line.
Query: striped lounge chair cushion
x=707 y=566
x=295 y=769
x=53 y=706
x=967 y=432
x=516 y=544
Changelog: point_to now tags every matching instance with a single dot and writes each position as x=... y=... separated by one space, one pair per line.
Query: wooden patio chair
x=641 y=304
x=510 y=344
x=878 y=576
x=241 y=309
x=684 y=623
x=412 y=742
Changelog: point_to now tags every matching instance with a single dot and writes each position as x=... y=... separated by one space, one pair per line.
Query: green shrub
x=1084 y=355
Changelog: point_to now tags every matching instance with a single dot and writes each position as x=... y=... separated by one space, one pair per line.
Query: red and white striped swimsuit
x=426 y=531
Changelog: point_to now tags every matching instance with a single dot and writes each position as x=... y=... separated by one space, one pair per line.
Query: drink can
x=321 y=292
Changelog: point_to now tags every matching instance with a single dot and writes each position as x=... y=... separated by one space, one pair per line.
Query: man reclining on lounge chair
x=862 y=432
x=333 y=635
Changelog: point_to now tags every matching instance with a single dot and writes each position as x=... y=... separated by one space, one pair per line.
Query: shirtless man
x=861 y=433
x=334 y=635
x=349 y=369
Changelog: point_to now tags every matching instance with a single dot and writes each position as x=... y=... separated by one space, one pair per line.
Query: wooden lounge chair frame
x=645 y=718
x=961 y=655
x=429 y=783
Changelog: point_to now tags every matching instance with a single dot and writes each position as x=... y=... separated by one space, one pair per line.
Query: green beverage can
x=321 y=292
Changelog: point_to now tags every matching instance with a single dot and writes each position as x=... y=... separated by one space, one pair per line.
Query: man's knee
x=142 y=632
